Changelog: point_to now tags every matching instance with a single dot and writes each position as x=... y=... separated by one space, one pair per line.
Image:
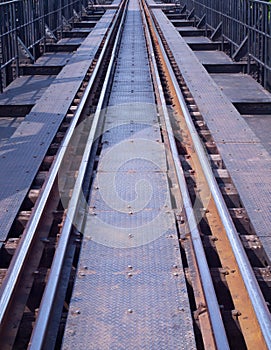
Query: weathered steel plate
x=247 y=161
x=130 y=291
x=22 y=154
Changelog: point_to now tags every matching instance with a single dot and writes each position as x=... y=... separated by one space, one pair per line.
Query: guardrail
x=245 y=24
x=25 y=24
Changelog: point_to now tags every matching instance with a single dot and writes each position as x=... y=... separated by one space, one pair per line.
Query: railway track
x=228 y=307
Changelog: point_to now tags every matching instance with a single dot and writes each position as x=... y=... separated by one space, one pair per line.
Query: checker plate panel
x=246 y=159
x=128 y=293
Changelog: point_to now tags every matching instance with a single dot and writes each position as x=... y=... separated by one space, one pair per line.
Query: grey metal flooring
x=22 y=154
x=197 y=39
x=243 y=153
x=213 y=57
x=26 y=90
x=241 y=88
x=54 y=59
x=128 y=294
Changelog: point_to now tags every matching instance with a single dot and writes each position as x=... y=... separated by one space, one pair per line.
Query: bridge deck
x=130 y=291
x=19 y=159
x=244 y=154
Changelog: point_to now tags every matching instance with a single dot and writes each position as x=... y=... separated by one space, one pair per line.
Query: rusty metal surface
x=130 y=291
x=22 y=154
x=248 y=162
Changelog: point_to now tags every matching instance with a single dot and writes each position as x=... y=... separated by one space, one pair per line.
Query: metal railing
x=24 y=25
x=245 y=24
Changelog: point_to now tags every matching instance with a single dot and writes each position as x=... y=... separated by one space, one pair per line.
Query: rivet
x=130 y=267
x=130 y=274
x=130 y=235
x=130 y=311
x=175 y=274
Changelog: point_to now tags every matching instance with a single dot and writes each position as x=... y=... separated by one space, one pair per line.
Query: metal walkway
x=245 y=158
x=130 y=291
x=18 y=156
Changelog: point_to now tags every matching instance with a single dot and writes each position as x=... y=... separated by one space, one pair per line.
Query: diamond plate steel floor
x=22 y=154
x=243 y=153
x=130 y=290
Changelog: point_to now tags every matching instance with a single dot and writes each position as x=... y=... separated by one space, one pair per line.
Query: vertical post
x=15 y=38
x=248 y=38
x=1 y=49
x=265 y=16
x=1 y=77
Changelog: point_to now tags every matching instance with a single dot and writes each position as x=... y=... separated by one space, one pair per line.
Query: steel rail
x=206 y=279
x=40 y=327
x=259 y=304
x=19 y=259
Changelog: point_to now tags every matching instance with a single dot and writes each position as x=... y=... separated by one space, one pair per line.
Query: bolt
x=130 y=274
x=175 y=274
x=182 y=220
x=45 y=240
x=225 y=272
x=130 y=311
x=236 y=313
x=130 y=267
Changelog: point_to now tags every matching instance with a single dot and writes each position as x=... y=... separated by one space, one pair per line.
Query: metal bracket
x=191 y=14
x=242 y=50
x=25 y=51
x=202 y=22
x=217 y=33
x=183 y=10
x=49 y=33
x=66 y=23
x=76 y=15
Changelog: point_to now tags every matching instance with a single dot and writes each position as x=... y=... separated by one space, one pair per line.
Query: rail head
x=40 y=328
x=260 y=307
x=19 y=259
x=209 y=291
